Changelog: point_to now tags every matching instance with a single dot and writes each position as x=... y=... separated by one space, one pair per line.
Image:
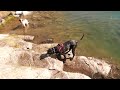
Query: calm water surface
x=102 y=32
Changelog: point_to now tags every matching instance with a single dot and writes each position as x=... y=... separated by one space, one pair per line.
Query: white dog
x=18 y=13
x=22 y=13
x=25 y=23
x=2 y=21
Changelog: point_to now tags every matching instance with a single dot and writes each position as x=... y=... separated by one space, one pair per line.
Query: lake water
x=102 y=32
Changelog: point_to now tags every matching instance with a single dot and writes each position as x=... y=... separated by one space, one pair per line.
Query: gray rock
x=88 y=66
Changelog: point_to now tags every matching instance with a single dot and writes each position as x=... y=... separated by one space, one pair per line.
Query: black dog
x=63 y=49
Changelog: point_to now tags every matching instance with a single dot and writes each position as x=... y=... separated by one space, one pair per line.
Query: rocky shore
x=21 y=59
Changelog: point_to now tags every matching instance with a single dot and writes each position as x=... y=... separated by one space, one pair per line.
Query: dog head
x=51 y=51
x=20 y=20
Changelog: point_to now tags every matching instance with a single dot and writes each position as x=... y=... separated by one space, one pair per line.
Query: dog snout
x=69 y=54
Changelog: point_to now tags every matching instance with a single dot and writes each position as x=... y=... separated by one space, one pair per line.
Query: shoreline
x=48 y=20
x=17 y=53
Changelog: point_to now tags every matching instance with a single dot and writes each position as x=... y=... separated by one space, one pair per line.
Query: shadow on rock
x=43 y=56
x=19 y=26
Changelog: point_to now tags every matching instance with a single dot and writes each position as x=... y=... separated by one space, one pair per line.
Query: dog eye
x=69 y=54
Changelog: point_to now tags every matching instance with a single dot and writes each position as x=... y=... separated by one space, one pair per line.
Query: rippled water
x=102 y=32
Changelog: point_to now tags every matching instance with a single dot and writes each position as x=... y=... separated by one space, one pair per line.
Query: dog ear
x=58 y=45
x=49 y=51
x=20 y=20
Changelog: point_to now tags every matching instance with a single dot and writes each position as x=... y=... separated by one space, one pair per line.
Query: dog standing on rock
x=63 y=49
x=25 y=24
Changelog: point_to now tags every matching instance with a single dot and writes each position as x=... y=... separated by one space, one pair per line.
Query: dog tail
x=82 y=36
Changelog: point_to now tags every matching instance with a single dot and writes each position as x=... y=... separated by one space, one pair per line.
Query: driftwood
x=48 y=41
x=26 y=37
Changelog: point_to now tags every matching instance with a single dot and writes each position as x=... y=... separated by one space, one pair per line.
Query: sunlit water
x=102 y=32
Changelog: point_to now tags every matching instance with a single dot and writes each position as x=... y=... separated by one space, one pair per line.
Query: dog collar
x=60 y=47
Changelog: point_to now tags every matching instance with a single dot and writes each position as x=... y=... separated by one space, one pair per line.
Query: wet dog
x=63 y=49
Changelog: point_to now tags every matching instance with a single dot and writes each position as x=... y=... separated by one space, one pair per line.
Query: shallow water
x=102 y=32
